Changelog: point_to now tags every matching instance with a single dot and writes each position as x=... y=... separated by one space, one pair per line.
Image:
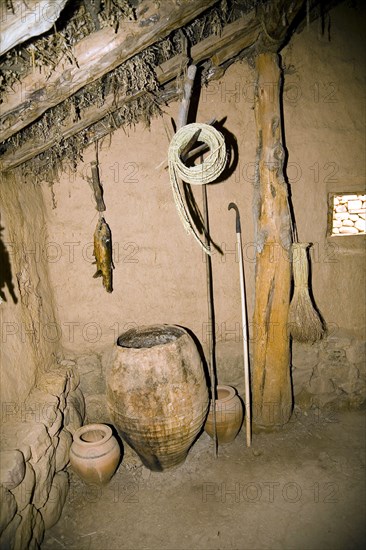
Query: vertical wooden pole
x=182 y=121
x=272 y=393
x=211 y=320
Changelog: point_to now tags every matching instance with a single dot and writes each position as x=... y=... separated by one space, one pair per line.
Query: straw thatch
x=35 y=118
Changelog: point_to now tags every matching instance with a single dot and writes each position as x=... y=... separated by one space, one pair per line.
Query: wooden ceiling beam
x=97 y=54
x=236 y=37
x=244 y=34
x=25 y=20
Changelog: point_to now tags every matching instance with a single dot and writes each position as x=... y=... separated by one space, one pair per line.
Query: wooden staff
x=186 y=99
x=182 y=121
x=211 y=318
x=248 y=414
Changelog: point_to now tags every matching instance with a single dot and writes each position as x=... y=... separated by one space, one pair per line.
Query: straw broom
x=305 y=323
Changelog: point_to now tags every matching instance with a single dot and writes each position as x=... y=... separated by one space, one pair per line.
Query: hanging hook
x=233 y=205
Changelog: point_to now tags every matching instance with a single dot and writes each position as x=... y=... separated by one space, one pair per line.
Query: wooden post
x=272 y=394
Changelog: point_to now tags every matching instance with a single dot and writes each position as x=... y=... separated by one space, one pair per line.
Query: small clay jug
x=229 y=415
x=94 y=453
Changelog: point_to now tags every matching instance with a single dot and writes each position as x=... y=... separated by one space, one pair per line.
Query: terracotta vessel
x=157 y=393
x=94 y=453
x=229 y=415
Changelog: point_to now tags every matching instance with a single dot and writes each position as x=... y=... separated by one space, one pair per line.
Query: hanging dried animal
x=103 y=253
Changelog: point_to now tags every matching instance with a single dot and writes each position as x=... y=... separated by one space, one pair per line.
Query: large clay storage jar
x=157 y=393
x=229 y=415
x=94 y=453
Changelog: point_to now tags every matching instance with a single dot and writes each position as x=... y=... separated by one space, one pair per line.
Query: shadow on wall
x=5 y=272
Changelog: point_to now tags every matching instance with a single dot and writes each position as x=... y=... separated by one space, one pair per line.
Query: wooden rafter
x=263 y=29
x=237 y=36
x=96 y=55
x=25 y=20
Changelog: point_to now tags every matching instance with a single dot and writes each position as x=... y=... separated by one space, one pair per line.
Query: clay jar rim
x=106 y=434
x=231 y=393
x=147 y=337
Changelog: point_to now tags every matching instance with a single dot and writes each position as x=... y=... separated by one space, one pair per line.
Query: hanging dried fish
x=103 y=253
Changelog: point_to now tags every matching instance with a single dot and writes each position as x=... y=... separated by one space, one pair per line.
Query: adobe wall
x=160 y=275
x=41 y=405
x=63 y=325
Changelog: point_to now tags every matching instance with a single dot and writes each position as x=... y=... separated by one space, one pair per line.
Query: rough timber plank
x=243 y=33
x=96 y=55
x=25 y=20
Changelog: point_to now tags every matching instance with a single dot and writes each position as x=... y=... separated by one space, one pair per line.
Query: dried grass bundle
x=305 y=322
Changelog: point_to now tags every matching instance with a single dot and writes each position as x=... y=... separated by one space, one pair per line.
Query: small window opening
x=347 y=214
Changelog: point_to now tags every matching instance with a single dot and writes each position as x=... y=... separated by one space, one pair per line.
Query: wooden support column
x=272 y=394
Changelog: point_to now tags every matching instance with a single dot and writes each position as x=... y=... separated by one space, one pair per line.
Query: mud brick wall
x=57 y=319
x=92 y=370
x=330 y=374
x=36 y=436
x=160 y=274
x=41 y=404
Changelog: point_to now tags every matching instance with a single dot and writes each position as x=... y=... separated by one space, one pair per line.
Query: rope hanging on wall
x=207 y=172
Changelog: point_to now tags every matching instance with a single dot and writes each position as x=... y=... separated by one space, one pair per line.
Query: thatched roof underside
x=136 y=89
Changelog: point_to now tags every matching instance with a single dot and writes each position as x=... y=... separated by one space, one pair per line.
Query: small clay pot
x=229 y=415
x=94 y=453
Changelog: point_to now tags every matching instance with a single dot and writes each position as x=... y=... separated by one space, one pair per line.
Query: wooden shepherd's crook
x=245 y=326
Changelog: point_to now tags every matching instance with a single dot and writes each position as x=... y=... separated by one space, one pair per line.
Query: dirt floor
x=300 y=488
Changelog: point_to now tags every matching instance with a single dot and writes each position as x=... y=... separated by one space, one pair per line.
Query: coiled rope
x=206 y=172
